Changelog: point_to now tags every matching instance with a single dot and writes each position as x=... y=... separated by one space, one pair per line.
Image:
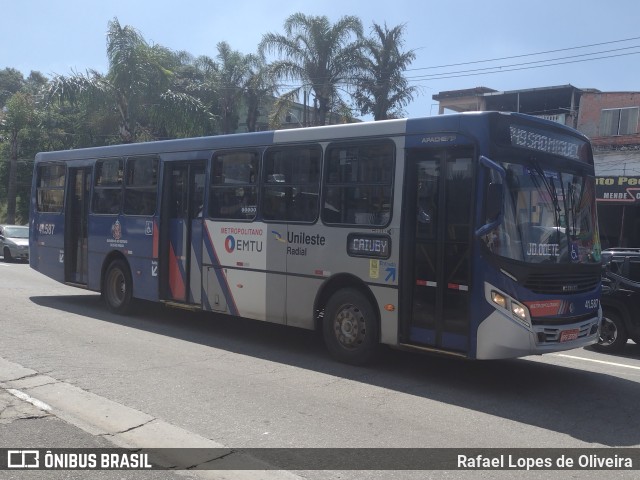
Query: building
x=609 y=119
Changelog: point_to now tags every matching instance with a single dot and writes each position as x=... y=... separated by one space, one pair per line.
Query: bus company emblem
x=116 y=240
x=116 y=230
x=278 y=236
x=569 y=288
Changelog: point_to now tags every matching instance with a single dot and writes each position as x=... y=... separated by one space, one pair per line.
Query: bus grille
x=561 y=283
x=548 y=335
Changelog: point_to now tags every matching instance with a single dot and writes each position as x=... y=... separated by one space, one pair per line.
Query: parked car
x=620 y=299
x=14 y=242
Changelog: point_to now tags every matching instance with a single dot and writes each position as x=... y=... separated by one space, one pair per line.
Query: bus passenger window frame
x=290 y=194
x=141 y=192
x=242 y=187
x=113 y=184
x=348 y=193
x=51 y=186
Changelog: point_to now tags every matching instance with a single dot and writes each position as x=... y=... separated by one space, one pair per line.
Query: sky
x=501 y=44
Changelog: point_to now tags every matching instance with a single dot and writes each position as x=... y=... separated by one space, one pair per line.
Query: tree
x=382 y=90
x=137 y=88
x=233 y=71
x=259 y=89
x=11 y=81
x=322 y=56
x=18 y=114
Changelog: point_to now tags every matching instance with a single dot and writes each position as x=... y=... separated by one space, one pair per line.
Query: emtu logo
x=230 y=244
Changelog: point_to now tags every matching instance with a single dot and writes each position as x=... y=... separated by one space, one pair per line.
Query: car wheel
x=7 y=255
x=613 y=334
x=117 y=287
x=350 y=327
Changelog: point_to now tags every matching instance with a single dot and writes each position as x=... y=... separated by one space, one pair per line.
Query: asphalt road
x=248 y=384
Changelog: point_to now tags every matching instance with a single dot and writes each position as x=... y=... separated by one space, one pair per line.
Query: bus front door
x=181 y=232
x=76 y=225
x=437 y=242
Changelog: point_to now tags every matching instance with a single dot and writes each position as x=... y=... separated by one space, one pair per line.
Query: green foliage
x=151 y=92
x=382 y=89
x=324 y=57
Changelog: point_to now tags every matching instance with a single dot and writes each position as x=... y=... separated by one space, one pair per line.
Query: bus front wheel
x=117 y=288
x=350 y=327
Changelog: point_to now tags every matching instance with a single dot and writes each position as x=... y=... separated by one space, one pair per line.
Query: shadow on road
x=589 y=406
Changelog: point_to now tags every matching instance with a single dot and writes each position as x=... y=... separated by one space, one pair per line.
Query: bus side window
x=234 y=189
x=107 y=191
x=358 y=183
x=141 y=185
x=292 y=183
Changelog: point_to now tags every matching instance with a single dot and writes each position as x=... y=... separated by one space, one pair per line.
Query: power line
x=508 y=68
x=525 y=54
x=437 y=75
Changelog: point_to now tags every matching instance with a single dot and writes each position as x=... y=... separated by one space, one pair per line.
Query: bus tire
x=117 y=288
x=350 y=327
x=613 y=335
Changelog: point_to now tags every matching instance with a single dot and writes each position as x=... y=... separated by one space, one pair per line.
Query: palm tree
x=137 y=87
x=233 y=71
x=382 y=89
x=322 y=56
x=259 y=89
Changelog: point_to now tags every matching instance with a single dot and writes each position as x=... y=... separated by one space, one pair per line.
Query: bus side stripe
x=222 y=279
x=176 y=275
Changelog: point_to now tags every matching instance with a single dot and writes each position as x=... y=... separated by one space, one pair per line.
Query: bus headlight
x=509 y=306
x=499 y=299
x=518 y=310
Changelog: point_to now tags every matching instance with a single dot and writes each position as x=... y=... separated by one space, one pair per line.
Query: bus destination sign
x=543 y=141
x=369 y=245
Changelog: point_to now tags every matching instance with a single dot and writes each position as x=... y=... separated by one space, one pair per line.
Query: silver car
x=14 y=242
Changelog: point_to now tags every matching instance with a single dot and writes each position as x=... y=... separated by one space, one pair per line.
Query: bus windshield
x=549 y=216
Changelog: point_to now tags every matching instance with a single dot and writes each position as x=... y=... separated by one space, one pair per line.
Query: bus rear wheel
x=350 y=327
x=117 y=287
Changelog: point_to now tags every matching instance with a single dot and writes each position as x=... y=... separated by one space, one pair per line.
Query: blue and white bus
x=473 y=235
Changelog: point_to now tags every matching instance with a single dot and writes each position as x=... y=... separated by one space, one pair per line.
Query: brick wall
x=591 y=105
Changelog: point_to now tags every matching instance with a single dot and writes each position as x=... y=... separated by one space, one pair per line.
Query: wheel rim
x=349 y=327
x=117 y=287
x=608 y=332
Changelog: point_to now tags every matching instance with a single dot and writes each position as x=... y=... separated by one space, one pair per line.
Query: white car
x=14 y=242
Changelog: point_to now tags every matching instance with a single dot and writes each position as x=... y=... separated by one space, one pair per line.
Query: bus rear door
x=436 y=249
x=76 y=225
x=181 y=232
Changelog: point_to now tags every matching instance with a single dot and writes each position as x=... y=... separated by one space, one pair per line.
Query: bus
x=473 y=235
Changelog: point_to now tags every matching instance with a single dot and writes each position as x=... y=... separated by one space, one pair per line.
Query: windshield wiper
x=550 y=187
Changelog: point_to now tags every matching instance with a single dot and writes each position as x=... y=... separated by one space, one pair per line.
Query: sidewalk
x=24 y=426
x=41 y=412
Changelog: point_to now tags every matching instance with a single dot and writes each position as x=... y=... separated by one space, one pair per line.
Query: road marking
x=28 y=398
x=598 y=361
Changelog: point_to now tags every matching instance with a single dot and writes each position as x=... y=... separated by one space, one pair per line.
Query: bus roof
x=448 y=122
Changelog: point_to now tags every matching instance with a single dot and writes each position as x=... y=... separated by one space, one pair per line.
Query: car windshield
x=549 y=216
x=16 y=232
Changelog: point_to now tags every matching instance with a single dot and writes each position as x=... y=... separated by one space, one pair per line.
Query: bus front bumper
x=500 y=336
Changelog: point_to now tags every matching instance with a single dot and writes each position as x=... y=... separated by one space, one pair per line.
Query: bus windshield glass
x=549 y=216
